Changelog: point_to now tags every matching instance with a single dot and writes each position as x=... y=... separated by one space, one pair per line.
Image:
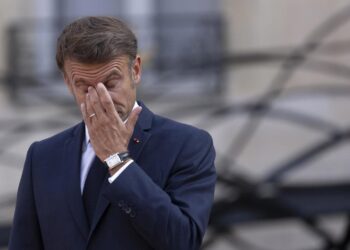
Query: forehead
x=88 y=71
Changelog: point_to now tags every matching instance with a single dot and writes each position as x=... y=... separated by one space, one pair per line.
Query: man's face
x=117 y=76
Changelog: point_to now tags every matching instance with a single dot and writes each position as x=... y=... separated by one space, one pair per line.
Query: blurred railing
x=270 y=198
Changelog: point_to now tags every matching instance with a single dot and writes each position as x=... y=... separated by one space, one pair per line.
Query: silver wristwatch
x=116 y=159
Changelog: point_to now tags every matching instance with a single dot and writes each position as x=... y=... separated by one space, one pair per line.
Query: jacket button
x=121 y=203
x=127 y=210
x=132 y=214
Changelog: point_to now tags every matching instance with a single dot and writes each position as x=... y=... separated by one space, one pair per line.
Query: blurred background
x=268 y=79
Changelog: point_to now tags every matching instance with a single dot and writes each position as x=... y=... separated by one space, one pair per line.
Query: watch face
x=113 y=160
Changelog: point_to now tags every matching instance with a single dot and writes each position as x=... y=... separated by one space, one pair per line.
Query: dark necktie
x=92 y=187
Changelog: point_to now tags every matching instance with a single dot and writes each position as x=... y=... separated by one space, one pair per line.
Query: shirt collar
x=87 y=136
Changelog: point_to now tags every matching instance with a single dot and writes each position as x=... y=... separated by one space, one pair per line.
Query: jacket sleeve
x=25 y=233
x=176 y=217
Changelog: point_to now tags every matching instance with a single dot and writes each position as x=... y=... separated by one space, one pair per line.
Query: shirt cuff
x=116 y=174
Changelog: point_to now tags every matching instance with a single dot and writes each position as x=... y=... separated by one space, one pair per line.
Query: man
x=124 y=178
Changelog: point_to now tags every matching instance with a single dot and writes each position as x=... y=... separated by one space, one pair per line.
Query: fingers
x=134 y=115
x=83 y=112
x=89 y=107
x=105 y=99
x=99 y=103
x=95 y=103
x=86 y=116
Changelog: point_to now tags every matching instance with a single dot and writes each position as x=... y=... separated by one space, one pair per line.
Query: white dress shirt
x=88 y=155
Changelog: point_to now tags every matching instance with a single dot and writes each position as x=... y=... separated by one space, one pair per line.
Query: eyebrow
x=113 y=73
x=80 y=80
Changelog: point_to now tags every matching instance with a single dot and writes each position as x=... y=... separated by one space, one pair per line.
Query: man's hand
x=108 y=133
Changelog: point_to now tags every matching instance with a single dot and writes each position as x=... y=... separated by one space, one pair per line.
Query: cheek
x=79 y=95
x=123 y=93
x=116 y=96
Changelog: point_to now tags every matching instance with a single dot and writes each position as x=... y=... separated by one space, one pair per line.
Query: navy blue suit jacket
x=161 y=201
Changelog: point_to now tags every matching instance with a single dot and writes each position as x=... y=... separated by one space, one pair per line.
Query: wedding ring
x=92 y=115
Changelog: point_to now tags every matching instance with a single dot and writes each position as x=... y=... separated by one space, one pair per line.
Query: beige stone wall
x=254 y=24
x=258 y=25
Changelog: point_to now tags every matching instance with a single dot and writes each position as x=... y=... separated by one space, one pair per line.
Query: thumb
x=130 y=124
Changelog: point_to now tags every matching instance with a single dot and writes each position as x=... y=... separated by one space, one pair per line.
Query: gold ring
x=92 y=115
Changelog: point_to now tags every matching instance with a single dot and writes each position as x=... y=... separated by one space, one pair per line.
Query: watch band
x=116 y=159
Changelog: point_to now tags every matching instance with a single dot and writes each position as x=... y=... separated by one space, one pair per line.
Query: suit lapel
x=137 y=141
x=141 y=132
x=72 y=156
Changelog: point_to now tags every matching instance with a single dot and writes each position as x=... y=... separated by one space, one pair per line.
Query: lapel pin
x=136 y=140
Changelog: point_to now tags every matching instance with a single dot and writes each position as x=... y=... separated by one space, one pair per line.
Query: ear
x=136 y=70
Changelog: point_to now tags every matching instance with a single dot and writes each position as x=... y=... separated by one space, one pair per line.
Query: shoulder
x=185 y=141
x=57 y=141
x=178 y=130
x=169 y=130
x=189 y=147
